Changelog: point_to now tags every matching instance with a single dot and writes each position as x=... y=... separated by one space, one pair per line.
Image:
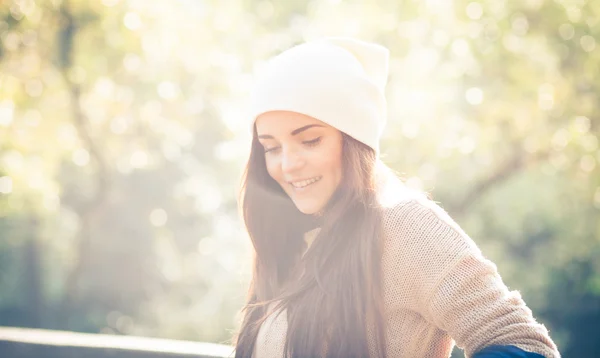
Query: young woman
x=348 y=261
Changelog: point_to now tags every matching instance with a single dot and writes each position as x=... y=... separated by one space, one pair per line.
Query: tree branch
x=510 y=168
x=90 y=208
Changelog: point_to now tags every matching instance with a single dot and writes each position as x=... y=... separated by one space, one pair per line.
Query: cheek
x=337 y=169
x=273 y=169
x=336 y=162
x=330 y=162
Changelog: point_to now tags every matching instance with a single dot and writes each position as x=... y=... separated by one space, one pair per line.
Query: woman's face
x=303 y=155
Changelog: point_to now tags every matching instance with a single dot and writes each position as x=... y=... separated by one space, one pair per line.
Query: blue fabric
x=505 y=352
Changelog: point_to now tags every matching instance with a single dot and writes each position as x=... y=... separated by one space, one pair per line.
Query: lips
x=300 y=184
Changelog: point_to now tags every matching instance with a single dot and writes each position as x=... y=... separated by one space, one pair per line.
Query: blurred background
x=123 y=136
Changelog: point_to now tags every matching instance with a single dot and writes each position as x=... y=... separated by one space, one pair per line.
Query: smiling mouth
x=304 y=183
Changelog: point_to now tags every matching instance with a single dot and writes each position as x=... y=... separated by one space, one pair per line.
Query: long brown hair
x=334 y=303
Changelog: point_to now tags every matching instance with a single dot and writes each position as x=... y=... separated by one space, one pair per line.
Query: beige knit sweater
x=438 y=290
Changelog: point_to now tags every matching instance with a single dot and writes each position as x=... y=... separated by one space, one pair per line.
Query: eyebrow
x=294 y=132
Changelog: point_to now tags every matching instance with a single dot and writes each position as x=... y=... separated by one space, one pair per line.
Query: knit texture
x=439 y=290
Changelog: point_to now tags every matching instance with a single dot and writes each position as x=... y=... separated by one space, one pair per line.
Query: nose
x=291 y=161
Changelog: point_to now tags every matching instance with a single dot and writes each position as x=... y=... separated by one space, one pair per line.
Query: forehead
x=283 y=122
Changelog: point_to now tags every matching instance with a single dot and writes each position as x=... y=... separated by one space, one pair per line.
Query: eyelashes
x=308 y=143
x=313 y=142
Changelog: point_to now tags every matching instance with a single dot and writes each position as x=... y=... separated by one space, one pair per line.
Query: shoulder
x=417 y=212
x=422 y=246
x=410 y=218
x=421 y=233
x=401 y=204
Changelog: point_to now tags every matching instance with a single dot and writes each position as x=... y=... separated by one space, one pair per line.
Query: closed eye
x=267 y=150
x=313 y=142
x=310 y=143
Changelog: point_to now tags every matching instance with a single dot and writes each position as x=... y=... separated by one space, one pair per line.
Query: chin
x=308 y=209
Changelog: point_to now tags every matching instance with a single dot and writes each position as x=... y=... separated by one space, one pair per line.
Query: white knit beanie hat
x=337 y=80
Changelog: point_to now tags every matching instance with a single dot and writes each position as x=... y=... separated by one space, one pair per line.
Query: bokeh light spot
x=474 y=96
x=560 y=139
x=119 y=125
x=466 y=145
x=574 y=13
x=132 y=21
x=588 y=43
x=168 y=90
x=158 y=217
x=34 y=87
x=6 y=185
x=110 y=3
x=131 y=62
x=474 y=10
x=81 y=157
x=566 y=31
x=582 y=124
x=546 y=97
x=589 y=142
x=519 y=24
x=460 y=47
x=265 y=9
x=32 y=117
x=139 y=159
x=587 y=163
x=6 y=112
x=597 y=198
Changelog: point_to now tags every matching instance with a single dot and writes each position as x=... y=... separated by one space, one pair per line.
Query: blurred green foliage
x=123 y=136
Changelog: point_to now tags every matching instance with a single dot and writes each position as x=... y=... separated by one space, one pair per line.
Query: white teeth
x=303 y=183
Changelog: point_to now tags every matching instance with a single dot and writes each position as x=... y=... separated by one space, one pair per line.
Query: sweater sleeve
x=462 y=293
x=505 y=352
